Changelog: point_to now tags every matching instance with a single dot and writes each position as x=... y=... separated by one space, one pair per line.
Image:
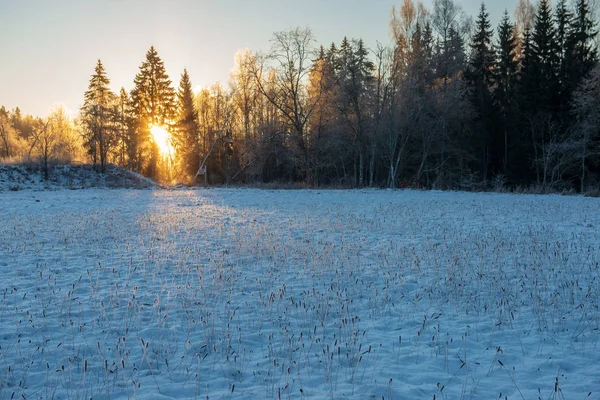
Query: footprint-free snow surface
x=114 y=294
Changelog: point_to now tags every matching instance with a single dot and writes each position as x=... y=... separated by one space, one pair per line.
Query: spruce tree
x=505 y=76
x=581 y=52
x=455 y=56
x=417 y=64
x=528 y=104
x=153 y=101
x=354 y=78
x=545 y=58
x=96 y=115
x=187 y=130
x=479 y=76
x=527 y=74
x=123 y=121
x=427 y=46
x=563 y=24
x=481 y=63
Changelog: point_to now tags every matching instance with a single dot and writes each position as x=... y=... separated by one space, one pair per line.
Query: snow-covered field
x=246 y=293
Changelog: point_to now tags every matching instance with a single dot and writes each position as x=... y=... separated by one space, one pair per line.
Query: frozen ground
x=30 y=177
x=298 y=294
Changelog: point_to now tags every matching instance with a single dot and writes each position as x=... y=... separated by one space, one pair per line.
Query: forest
x=454 y=103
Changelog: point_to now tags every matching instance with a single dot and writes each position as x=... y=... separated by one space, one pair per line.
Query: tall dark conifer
x=153 y=101
x=563 y=25
x=545 y=58
x=123 y=121
x=96 y=115
x=187 y=129
x=481 y=62
x=581 y=52
x=505 y=76
x=480 y=79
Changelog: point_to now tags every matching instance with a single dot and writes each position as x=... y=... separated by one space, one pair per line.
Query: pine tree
x=528 y=101
x=527 y=74
x=452 y=58
x=96 y=114
x=427 y=49
x=545 y=58
x=481 y=63
x=123 y=120
x=480 y=78
x=581 y=53
x=563 y=24
x=505 y=76
x=153 y=101
x=416 y=70
x=354 y=78
x=323 y=149
x=187 y=130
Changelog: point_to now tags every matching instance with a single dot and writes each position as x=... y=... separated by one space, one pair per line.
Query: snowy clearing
x=298 y=294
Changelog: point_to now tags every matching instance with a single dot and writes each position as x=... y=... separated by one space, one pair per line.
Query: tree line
x=453 y=103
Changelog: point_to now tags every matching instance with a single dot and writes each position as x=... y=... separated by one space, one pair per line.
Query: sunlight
x=162 y=138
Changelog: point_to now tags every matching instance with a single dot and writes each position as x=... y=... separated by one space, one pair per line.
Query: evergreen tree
x=123 y=125
x=581 y=52
x=153 y=101
x=324 y=148
x=452 y=55
x=416 y=69
x=354 y=77
x=505 y=76
x=480 y=78
x=187 y=132
x=564 y=20
x=96 y=115
x=563 y=24
x=545 y=60
x=527 y=74
x=427 y=50
x=528 y=101
x=481 y=63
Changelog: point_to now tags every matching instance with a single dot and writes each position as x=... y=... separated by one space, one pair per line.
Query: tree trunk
x=372 y=167
x=583 y=163
x=361 y=168
x=535 y=154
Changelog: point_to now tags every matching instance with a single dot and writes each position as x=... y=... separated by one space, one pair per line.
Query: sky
x=48 y=49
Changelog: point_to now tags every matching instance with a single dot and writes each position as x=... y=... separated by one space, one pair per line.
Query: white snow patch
x=31 y=177
x=298 y=294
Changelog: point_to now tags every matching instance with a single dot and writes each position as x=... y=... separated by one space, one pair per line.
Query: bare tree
x=290 y=58
x=586 y=106
x=446 y=16
x=524 y=16
x=452 y=26
x=217 y=144
x=553 y=151
x=55 y=139
x=7 y=137
x=244 y=92
x=44 y=142
x=69 y=144
x=405 y=22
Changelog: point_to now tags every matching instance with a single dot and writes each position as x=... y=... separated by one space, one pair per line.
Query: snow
x=245 y=293
x=31 y=177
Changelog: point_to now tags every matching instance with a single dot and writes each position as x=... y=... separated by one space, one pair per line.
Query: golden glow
x=162 y=138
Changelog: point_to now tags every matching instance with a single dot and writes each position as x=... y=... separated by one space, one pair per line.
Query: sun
x=162 y=138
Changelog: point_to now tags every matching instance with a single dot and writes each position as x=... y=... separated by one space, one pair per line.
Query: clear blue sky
x=48 y=48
